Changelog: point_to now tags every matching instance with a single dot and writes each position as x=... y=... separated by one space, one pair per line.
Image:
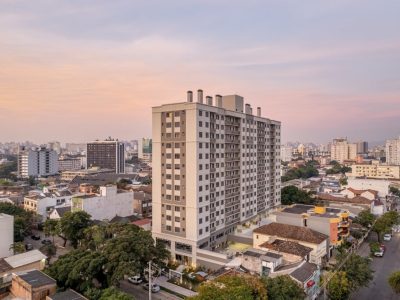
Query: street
x=379 y=288
x=141 y=294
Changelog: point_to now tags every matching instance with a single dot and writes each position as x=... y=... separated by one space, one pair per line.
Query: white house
x=6 y=235
x=104 y=206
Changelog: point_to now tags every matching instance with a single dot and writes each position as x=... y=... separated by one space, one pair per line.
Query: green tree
x=394 y=281
x=18 y=247
x=338 y=287
x=114 y=294
x=72 y=226
x=291 y=194
x=232 y=287
x=51 y=228
x=283 y=288
x=374 y=247
x=358 y=271
x=49 y=250
x=365 y=218
x=395 y=191
x=381 y=226
x=306 y=171
x=22 y=220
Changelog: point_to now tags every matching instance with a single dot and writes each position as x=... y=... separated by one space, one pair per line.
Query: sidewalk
x=162 y=281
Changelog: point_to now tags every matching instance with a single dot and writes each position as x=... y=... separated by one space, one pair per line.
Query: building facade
x=145 y=149
x=375 y=171
x=108 y=154
x=37 y=162
x=342 y=150
x=362 y=147
x=393 y=152
x=6 y=234
x=214 y=167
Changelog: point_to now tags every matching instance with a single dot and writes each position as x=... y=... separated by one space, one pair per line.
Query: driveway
x=379 y=288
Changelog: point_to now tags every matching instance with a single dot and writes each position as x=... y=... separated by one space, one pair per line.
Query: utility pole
x=150 y=285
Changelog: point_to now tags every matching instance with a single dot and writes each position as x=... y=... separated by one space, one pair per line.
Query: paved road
x=379 y=288
x=141 y=294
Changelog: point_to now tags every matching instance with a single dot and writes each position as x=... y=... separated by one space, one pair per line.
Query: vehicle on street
x=135 y=279
x=154 y=287
x=46 y=242
x=35 y=237
x=379 y=253
x=387 y=237
x=28 y=247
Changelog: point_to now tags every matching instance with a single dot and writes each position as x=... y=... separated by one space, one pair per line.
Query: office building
x=145 y=149
x=342 y=150
x=214 y=167
x=108 y=154
x=362 y=147
x=37 y=162
x=393 y=152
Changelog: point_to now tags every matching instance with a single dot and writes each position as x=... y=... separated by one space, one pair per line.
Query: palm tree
x=17 y=247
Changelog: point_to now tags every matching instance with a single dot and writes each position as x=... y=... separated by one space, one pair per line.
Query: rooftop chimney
x=209 y=100
x=189 y=96
x=258 y=111
x=218 y=100
x=200 y=96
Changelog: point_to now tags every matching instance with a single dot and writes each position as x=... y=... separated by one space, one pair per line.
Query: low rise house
x=307 y=237
x=352 y=193
x=308 y=277
x=260 y=262
x=58 y=212
x=292 y=252
x=142 y=201
x=33 y=285
x=67 y=295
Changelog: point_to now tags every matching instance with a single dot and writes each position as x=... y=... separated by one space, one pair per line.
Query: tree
x=18 y=247
x=338 y=287
x=343 y=181
x=380 y=227
x=365 y=218
x=358 y=271
x=22 y=220
x=51 y=228
x=114 y=294
x=291 y=194
x=72 y=226
x=394 y=191
x=49 y=251
x=394 y=281
x=283 y=287
x=374 y=247
x=232 y=287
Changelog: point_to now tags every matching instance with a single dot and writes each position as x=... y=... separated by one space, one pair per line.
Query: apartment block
x=342 y=150
x=375 y=171
x=215 y=165
x=37 y=162
x=108 y=154
x=145 y=149
x=393 y=152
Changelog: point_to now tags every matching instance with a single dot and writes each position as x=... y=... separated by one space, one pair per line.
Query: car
x=154 y=287
x=382 y=247
x=135 y=279
x=28 y=247
x=46 y=242
x=379 y=253
x=387 y=237
x=35 y=237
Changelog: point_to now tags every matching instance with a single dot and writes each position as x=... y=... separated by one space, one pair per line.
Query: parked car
x=379 y=253
x=135 y=279
x=387 y=237
x=35 y=237
x=46 y=242
x=28 y=247
x=154 y=287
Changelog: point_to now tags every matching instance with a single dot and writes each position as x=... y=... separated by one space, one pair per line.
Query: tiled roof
x=304 y=272
x=359 y=192
x=287 y=247
x=355 y=200
x=62 y=210
x=292 y=232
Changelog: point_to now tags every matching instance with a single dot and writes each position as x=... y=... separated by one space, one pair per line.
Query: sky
x=82 y=70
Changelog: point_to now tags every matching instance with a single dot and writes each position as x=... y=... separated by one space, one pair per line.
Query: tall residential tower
x=215 y=166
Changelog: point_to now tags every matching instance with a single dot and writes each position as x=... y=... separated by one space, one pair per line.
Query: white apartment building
x=393 y=152
x=286 y=153
x=342 y=150
x=6 y=235
x=37 y=162
x=214 y=167
x=110 y=202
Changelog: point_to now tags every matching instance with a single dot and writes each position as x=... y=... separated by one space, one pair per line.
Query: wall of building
x=6 y=235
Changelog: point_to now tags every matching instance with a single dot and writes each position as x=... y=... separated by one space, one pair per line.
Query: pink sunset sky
x=81 y=70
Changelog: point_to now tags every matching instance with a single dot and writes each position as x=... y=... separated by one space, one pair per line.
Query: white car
x=387 y=237
x=135 y=279
x=155 y=288
x=379 y=253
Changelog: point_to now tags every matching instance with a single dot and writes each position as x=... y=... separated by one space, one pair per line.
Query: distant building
x=37 y=162
x=69 y=164
x=342 y=150
x=286 y=153
x=108 y=154
x=375 y=171
x=393 y=152
x=145 y=149
x=362 y=147
x=142 y=202
x=109 y=203
x=6 y=235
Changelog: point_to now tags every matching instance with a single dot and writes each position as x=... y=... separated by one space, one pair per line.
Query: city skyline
x=77 y=72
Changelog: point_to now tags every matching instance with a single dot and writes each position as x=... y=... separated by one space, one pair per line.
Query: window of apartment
x=169 y=218
x=168 y=227
x=177 y=229
x=177 y=219
x=177 y=208
x=168 y=207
